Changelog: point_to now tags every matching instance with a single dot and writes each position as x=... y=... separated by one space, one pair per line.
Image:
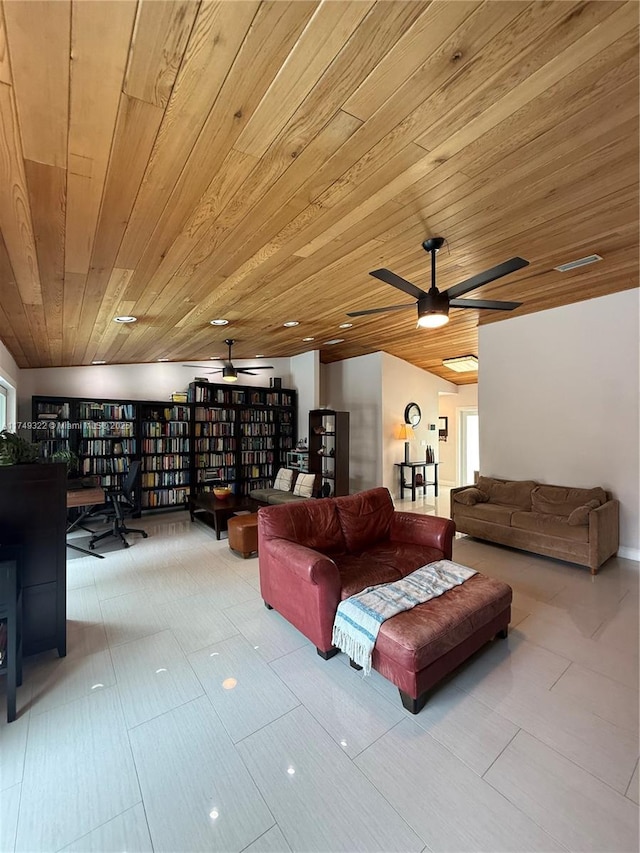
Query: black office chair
x=121 y=501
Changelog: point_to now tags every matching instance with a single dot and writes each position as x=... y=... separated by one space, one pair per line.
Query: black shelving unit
x=165 y=451
x=329 y=449
x=241 y=434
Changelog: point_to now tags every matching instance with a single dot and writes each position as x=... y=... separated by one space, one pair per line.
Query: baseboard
x=629 y=553
x=450 y=484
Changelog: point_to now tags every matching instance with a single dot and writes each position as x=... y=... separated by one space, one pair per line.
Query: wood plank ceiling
x=181 y=161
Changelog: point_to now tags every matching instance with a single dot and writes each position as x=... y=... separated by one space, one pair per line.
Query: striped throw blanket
x=358 y=619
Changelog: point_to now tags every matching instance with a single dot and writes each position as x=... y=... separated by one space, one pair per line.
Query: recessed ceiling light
x=258 y=356
x=462 y=364
x=335 y=341
x=308 y=339
x=291 y=323
x=163 y=359
x=581 y=262
x=125 y=319
x=219 y=322
x=98 y=362
x=345 y=325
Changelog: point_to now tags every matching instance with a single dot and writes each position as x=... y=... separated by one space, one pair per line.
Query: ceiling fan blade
x=254 y=367
x=380 y=310
x=401 y=283
x=484 y=303
x=485 y=277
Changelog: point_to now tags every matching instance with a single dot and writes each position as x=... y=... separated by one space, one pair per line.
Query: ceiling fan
x=433 y=305
x=229 y=372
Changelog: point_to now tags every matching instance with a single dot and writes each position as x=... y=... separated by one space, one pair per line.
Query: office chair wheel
x=127 y=545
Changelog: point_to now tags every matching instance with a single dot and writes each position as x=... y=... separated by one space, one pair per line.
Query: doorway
x=468 y=446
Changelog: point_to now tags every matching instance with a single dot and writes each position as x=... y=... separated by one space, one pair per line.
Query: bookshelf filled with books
x=238 y=436
x=165 y=454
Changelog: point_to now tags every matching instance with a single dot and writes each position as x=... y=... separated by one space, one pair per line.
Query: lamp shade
x=406 y=433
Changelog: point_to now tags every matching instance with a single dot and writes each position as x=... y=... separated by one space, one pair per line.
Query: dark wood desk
x=87 y=499
x=415 y=468
x=219 y=510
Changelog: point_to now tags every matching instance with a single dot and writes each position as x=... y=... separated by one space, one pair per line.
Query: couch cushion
x=580 y=515
x=262 y=494
x=358 y=573
x=418 y=637
x=278 y=498
x=365 y=518
x=311 y=523
x=304 y=485
x=561 y=500
x=493 y=513
x=404 y=557
x=283 y=480
x=509 y=492
x=550 y=525
x=470 y=496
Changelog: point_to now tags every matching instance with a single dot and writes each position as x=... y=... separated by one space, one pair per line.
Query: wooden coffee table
x=219 y=510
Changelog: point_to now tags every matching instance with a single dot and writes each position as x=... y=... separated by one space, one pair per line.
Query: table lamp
x=406 y=434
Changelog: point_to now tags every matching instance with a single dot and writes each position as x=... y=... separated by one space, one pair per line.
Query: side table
x=415 y=468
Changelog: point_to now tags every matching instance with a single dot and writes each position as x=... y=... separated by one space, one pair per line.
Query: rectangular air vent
x=462 y=364
x=581 y=262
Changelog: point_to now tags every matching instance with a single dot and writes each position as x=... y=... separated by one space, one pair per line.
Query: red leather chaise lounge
x=314 y=554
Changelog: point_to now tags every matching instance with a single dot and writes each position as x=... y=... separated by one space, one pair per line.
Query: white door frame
x=461 y=454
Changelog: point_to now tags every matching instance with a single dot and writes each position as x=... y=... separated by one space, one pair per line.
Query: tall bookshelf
x=108 y=439
x=165 y=454
x=329 y=449
x=241 y=434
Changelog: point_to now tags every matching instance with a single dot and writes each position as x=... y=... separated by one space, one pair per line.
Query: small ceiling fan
x=433 y=305
x=229 y=372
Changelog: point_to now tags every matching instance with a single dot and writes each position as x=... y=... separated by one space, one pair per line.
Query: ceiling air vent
x=581 y=262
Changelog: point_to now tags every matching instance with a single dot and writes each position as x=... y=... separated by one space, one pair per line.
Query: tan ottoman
x=243 y=534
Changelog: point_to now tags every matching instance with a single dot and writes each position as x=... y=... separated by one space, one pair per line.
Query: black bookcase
x=329 y=450
x=165 y=450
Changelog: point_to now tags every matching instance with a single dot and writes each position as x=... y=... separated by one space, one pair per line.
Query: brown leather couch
x=577 y=525
x=315 y=553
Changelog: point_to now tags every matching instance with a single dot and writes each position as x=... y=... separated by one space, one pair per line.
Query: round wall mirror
x=412 y=414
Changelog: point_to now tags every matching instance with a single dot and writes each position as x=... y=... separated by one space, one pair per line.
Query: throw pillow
x=304 y=485
x=580 y=515
x=471 y=496
x=283 y=480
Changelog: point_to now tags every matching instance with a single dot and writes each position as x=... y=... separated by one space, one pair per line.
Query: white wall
x=305 y=374
x=132 y=381
x=403 y=383
x=9 y=374
x=355 y=386
x=558 y=400
x=376 y=389
x=465 y=397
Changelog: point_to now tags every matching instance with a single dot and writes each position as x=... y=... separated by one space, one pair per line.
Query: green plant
x=15 y=450
x=68 y=456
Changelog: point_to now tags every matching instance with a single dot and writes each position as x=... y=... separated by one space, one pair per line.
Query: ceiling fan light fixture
x=462 y=363
x=229 y=374
x=432 y=320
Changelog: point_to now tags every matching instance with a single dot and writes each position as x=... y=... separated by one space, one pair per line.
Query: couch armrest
x=429 y=530
x=604 y=533
x=309 y=565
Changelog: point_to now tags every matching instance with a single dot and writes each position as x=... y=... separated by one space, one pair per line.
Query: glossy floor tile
x=132 y=742
x=78 y=773
x=245 y=691
x=153 y=677
x=319 y=798
x=128 y=831
x=198 y=794
x=535 y=778
x=443 y=800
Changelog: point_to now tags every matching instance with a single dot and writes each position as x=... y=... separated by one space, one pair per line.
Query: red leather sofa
x=315 y=553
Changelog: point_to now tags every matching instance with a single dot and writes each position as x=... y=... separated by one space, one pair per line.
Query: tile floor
x=187 y=717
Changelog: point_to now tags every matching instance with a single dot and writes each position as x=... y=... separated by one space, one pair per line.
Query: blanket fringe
x=359 y=653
